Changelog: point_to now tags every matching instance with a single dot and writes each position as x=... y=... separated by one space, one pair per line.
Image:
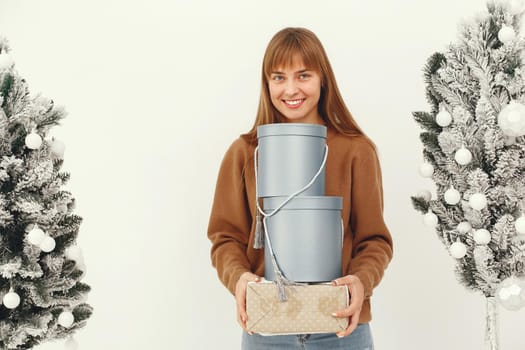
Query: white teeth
x=293 y=102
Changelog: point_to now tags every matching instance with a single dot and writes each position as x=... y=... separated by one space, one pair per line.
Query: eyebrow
x=299 y=71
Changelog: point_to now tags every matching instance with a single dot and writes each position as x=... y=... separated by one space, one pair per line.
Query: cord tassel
x=281 y=281
x=258 y=242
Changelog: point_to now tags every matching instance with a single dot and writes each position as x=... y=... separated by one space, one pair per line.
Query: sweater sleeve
x=372 y=247
x=230 y=220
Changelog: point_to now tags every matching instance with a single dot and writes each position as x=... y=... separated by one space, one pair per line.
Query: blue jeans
x=359 y=339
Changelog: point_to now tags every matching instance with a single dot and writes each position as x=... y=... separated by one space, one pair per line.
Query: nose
x=291 y=88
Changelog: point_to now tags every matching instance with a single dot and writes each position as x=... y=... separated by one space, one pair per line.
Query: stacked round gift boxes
x=306 y=233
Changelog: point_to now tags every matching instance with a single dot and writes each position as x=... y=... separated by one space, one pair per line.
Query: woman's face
x=295 y=92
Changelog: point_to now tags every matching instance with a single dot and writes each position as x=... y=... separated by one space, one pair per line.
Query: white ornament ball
x=426 y=170
x=519 y=224
x=71 y=344
x=75 y=253
x=84 y=298
x=511 y=293
x=11 y=300
x=506 y=34
x=33 y=140
x=6 y=62
x=482 y=236
x=458 y=250
x=443 y=118
x=464 y=227
x=425 y=194
x=463 y=156
x=57 y=148
x=36 y=236
x=452 y=196
x=82 y=267
x=430 y=219
x=66 y=319
x=48 y=244
x=478 y=201
x=511 y=119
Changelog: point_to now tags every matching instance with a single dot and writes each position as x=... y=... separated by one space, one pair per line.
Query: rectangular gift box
x=308 y=308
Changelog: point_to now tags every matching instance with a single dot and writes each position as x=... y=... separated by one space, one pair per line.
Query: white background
x=157 y=90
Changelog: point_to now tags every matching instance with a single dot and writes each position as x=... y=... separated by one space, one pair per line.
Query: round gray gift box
x=306 y=238
x=289 y=156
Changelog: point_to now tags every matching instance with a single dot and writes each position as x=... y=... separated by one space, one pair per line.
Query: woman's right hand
x=240 y=296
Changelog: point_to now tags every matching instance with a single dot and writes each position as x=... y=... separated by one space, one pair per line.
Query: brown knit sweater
x=352 y=172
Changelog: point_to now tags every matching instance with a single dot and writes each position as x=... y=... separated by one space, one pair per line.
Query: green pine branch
x=427 y=122
x=431 y=143
x=5 y=88
x=434 y=62
x=465 y=272
x=453 y=98
x=63 y=176
x=431 y=67
x=420 y=204
x=82 y=312
x=491 y=33
x=52 y=117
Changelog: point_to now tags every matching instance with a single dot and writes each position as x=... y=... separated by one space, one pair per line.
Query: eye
x=277 y=77
x=304 y=76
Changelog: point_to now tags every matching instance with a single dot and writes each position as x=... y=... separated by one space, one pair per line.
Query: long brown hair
x=285 y=45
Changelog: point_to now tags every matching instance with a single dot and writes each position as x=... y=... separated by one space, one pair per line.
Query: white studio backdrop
x=157 y=90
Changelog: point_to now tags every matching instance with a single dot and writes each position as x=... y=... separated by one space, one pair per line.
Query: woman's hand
x=357 y=296
x=240 y=296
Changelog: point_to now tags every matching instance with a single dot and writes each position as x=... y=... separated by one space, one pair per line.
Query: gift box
x=308 y=309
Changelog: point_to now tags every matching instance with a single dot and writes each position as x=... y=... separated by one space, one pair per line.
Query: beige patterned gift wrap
x=308 y=308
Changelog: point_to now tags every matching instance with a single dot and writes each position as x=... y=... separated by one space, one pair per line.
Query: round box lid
x=281 y=129
x=304 y=202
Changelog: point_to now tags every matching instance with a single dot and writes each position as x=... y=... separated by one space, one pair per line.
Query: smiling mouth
x=294 y=103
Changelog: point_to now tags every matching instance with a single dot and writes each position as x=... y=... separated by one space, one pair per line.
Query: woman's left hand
x=357 y=296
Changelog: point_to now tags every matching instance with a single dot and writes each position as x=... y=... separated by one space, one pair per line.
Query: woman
x=298 y=86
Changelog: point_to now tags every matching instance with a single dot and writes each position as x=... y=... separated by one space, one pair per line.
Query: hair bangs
x=288 y=51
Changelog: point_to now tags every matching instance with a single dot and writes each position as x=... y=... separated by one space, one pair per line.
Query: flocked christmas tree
x=474 y=151
x=41 y=266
